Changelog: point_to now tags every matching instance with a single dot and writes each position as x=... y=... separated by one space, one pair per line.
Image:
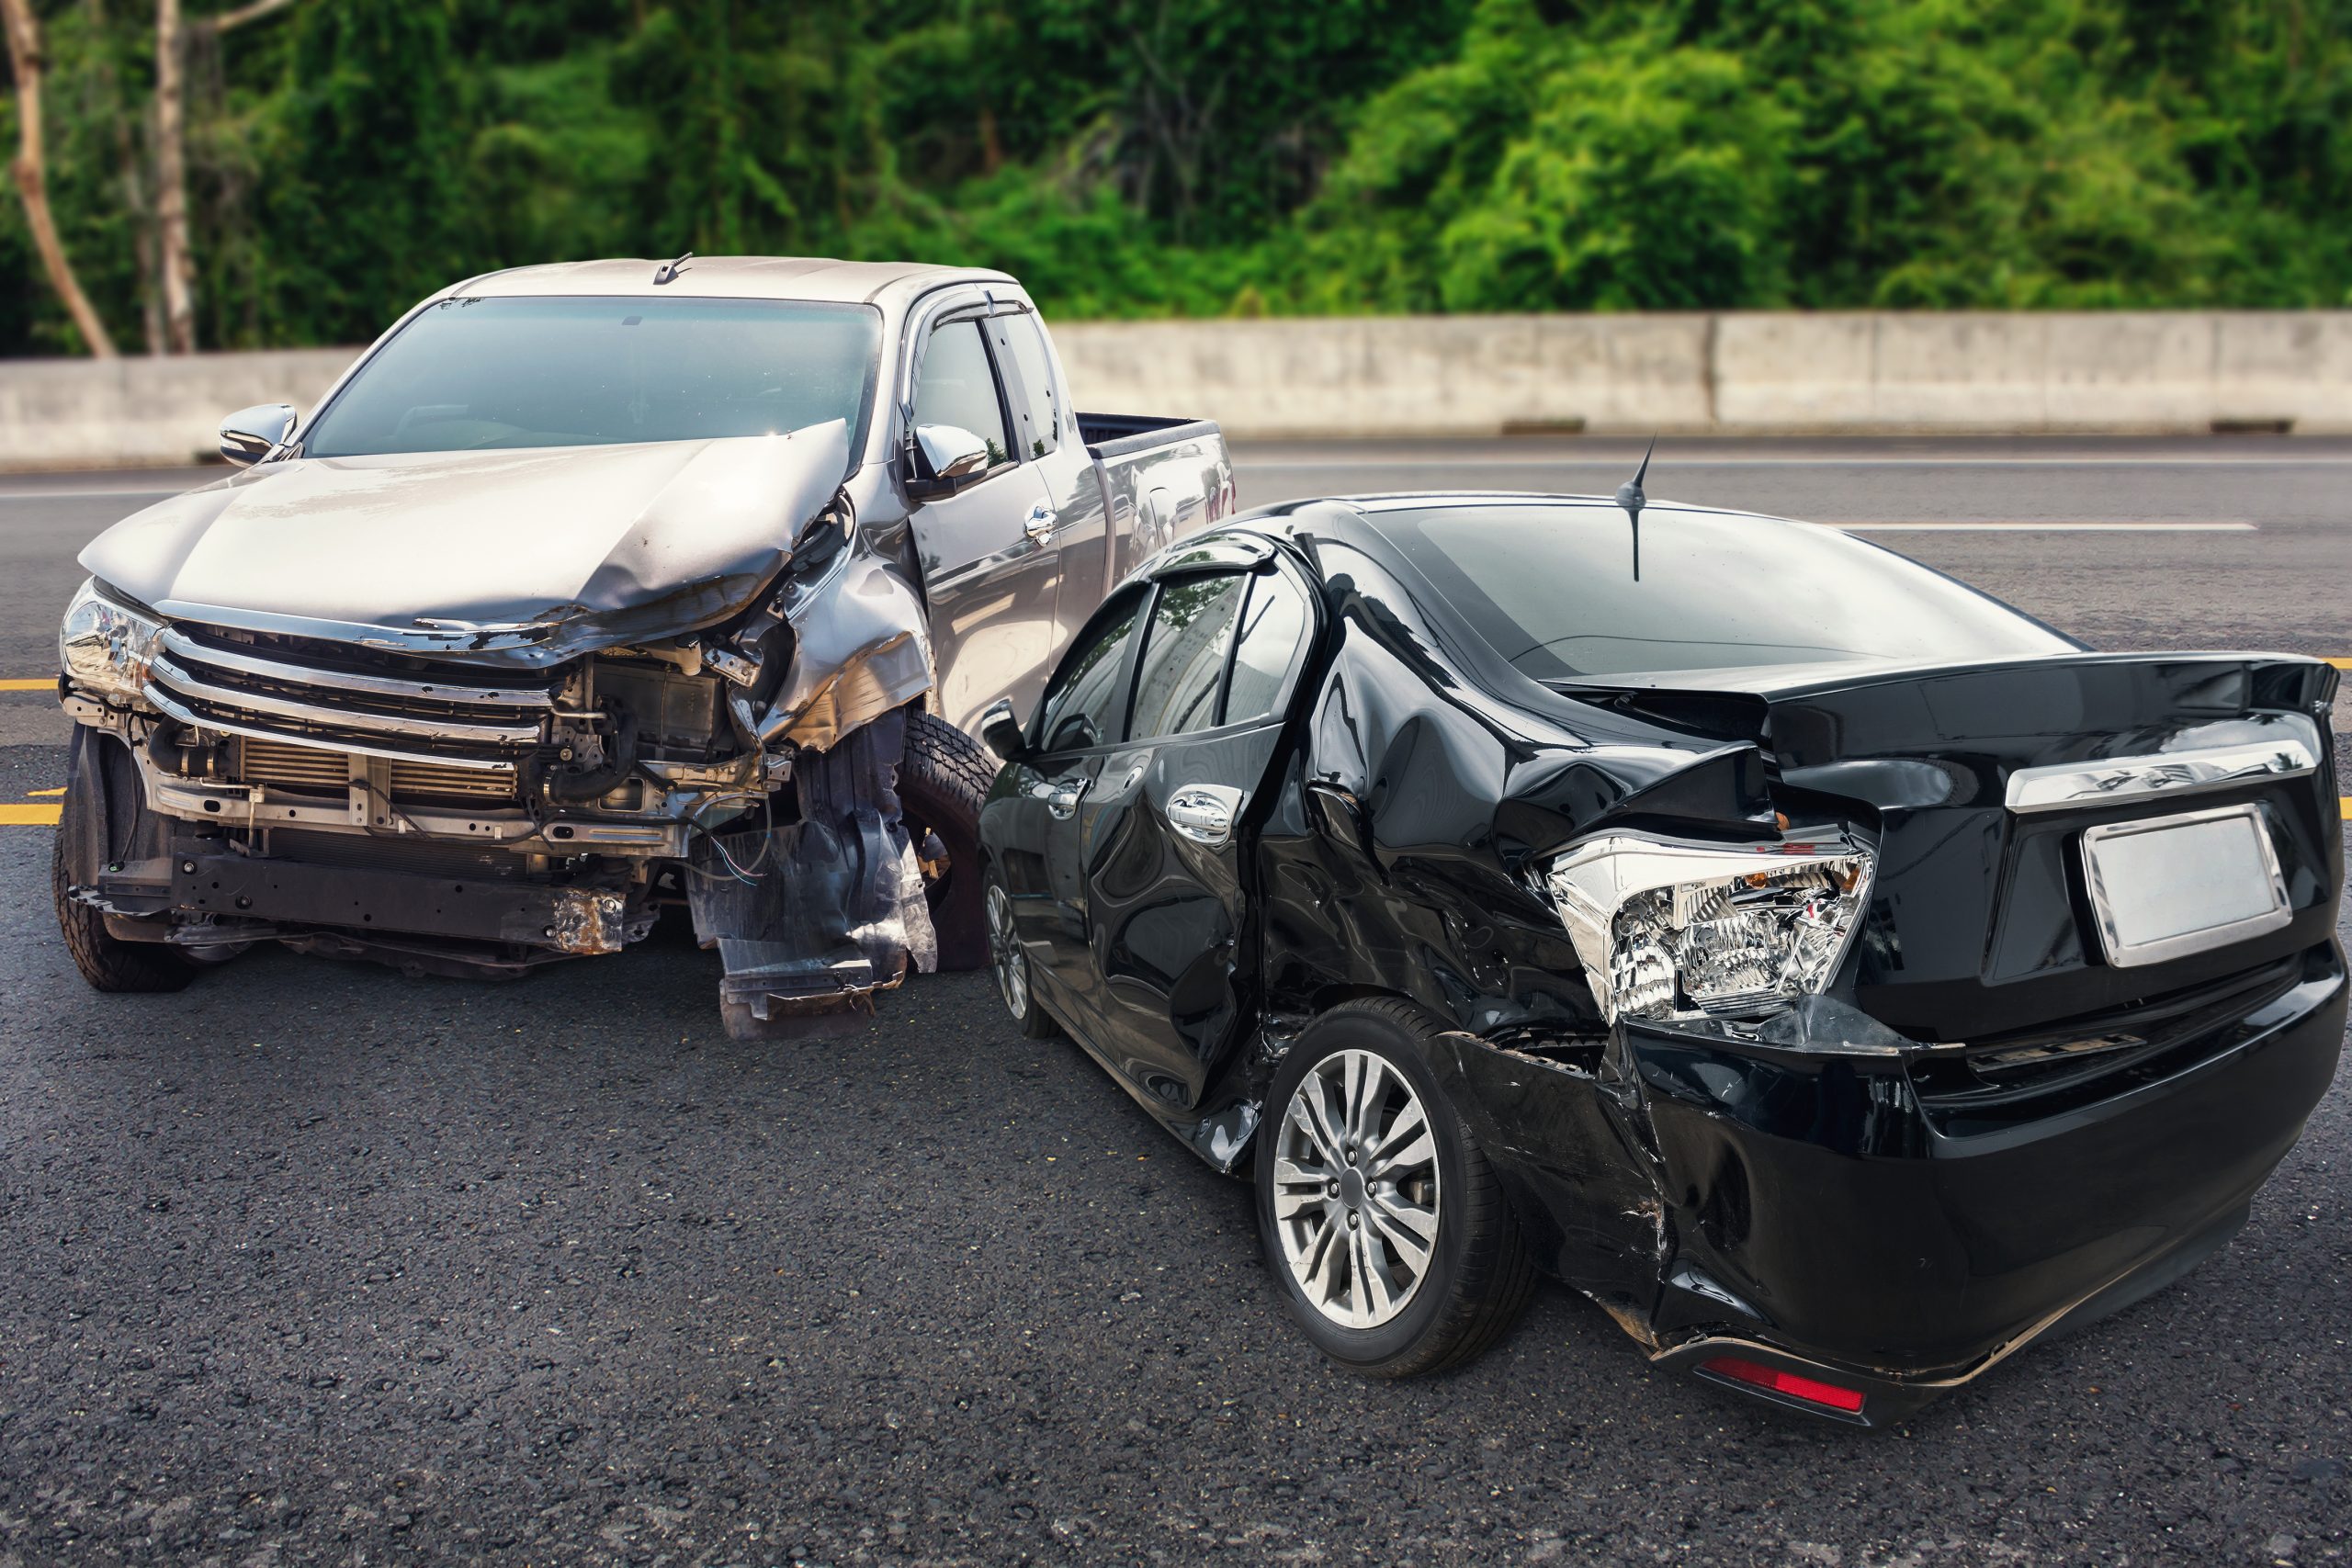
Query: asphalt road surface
x=317 y=1263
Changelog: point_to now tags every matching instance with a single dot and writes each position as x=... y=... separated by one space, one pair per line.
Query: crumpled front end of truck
x=444 y=798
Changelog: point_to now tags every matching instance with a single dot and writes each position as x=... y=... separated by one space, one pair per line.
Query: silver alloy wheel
x=1356 y=1200
x=1004 y=954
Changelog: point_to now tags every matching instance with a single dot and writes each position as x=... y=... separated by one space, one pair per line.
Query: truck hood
x=520 y=556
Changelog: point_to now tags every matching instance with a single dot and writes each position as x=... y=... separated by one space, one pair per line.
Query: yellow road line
x=29 y=816
x=2342 y=663
x=36 y=792
x=47 y=686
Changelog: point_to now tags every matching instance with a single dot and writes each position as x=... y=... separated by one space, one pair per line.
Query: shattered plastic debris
x=812 y=917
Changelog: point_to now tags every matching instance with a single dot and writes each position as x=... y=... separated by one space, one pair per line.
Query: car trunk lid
x=1980 y=780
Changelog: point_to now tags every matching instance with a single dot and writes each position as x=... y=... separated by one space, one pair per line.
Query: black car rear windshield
x=471 y=375
x=1551 y=588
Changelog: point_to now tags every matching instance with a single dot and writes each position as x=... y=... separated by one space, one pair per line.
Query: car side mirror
x=943 y=458
x=250 y=435
x=1003 y=731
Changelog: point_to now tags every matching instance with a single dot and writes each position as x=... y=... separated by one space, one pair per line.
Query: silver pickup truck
x=593 y=588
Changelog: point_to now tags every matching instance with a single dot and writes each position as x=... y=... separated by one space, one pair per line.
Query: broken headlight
x=1667 y=929
x=104 y=646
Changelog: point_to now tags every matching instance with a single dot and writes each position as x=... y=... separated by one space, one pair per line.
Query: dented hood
x=522 y=557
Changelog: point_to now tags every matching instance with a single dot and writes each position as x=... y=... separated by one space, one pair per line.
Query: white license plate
x=2167 y=887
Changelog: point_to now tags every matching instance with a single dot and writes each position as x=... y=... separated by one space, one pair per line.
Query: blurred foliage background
x=1210 y=157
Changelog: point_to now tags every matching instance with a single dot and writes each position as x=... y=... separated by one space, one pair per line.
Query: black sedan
x=1840 y=976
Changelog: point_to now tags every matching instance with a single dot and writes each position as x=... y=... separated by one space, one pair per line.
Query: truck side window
x=1038 y=411
x=1183 y=655
x=1086 y=703
x=957 y=387
x=1271 y=629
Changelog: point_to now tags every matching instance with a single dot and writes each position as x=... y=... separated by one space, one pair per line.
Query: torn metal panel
x=815 y=915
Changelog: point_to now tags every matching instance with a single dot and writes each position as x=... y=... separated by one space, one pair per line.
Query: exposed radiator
x=284 y=766
x=428 y=780
x=292 y=767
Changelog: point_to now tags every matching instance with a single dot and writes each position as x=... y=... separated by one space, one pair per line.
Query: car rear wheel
x=1383 y=1221
x=1011 y=967
x=943 y=779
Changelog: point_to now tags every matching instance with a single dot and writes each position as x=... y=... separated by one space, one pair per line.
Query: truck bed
x=1162 y=478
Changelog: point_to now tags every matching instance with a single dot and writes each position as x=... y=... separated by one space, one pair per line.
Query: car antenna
x=668 y=271
x=1630 y=497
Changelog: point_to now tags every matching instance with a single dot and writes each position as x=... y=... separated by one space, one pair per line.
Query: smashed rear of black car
x=1848 y=978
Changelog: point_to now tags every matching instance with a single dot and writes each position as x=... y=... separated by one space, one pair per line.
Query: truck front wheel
x=105 y=817
x=945 y=777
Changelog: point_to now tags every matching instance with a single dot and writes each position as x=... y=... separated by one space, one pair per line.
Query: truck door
x=1167 y=869
x=989 y=566
x=1046 y=432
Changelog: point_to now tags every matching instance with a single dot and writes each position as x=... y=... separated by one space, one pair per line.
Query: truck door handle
x=1040 y=523
x=1061 y=804
x=1204 y=813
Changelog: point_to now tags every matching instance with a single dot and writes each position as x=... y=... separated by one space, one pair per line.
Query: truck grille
x=285 y=766
x=449 y=721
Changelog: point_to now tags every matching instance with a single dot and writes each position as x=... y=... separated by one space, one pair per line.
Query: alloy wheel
x=1004 y=954
x=1356 y=1201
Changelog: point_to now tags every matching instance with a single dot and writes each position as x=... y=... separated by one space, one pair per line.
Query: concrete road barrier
x=1730 y=372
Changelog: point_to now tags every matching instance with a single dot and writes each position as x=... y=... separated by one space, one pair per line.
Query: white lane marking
x=93 y=494
x=1247 y=464
x=2024 y=527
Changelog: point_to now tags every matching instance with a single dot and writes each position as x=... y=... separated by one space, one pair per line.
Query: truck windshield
x=1551 y=588
x=473 y=375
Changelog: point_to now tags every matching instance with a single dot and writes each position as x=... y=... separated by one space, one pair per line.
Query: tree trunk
x=32 y=183
x=174 y=264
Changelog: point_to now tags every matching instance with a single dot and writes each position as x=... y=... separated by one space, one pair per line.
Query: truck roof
x=733 y=278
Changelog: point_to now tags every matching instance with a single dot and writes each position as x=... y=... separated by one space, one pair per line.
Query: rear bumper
x=1808 y=1209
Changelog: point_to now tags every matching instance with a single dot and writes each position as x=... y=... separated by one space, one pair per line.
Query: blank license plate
x=2168 y=886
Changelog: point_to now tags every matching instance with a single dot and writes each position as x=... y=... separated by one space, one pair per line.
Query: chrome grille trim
x=177 y=643
x=162 y=672
x=165 y=703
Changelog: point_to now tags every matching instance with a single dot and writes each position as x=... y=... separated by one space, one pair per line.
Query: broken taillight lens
x=1778 y=1379
x=1671 y=930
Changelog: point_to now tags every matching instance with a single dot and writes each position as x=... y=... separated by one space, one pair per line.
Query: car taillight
x=1777 y=1380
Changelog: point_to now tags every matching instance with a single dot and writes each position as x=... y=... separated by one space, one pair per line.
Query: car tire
x=100 y=771
x=943 y=779
x=1010 y=965
x=1340 y=1234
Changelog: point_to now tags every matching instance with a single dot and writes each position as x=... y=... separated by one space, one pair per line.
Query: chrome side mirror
x=250 y=435
x=1003 y=731
x=946 y=458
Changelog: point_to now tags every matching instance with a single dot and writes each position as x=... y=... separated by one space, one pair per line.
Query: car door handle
x=1061 y=804
x=1040 y=523
x=1204 y=813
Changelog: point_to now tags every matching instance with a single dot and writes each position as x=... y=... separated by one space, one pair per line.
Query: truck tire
x=102 y=792
x=945 y=777
x=1455 y=1272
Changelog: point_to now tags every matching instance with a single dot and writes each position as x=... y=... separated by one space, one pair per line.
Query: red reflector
x=1813 y=1390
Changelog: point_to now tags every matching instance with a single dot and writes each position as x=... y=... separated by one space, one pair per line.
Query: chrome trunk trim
x=2064 y=786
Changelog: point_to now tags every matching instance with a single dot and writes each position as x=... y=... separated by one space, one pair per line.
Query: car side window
x=1086 y=702
x=1184 y=654
x=1272 y=628
x=957 y=387
x=1036 y=408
